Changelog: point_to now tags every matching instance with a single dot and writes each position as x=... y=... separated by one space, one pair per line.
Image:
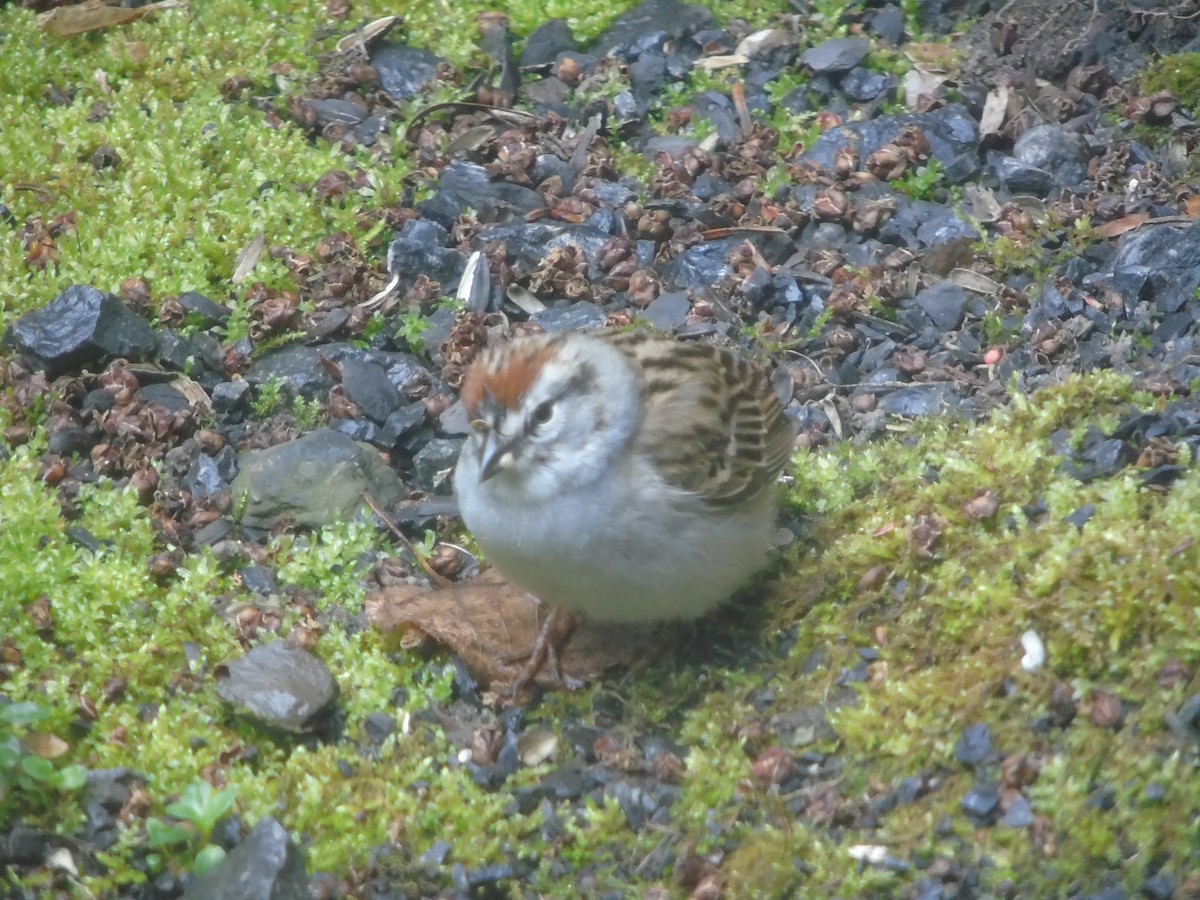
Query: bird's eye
x=542 y=413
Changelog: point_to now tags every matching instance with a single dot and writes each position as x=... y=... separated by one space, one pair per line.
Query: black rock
x=649 y=26
x=1081 y=516
x=1019 y=813
x=578 y=316
x=1159 y=887
x=1062 y=153
x=546 y=42
x=403 y=71
x=944 y=303
x=717 y=109
x=920 y=400
x=454 y=422
x=922 y=225
x=401 y=422
x=378 y=726
x=667 y=311
x=25 y=846
x=342 y=112
x=298 y=365
x=258 y=579
x=204 y=477
x=1164 y=256
x=279 y=685
x=179 y=352
x=81 y=325
x=267 y=865
x=836 y=54
x=208 y=311
x=163 y=394
x=367 y=384
x=863 y=84
x=647 y=74
x=974 y=744
x=71 y=439
x=888 y=23
x=231 y=395
x=1016 y=177
x=434 y=465
x=417 y=250
x=462 y=185
x=981 y=802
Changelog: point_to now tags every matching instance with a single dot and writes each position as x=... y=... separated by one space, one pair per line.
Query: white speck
x=1035 y=651
x=869 y=853
x=62 y=861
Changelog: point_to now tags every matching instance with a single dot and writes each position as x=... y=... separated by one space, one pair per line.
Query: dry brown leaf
x=1192 y=207
x=492 y=626
x=1118 y=227
x=47 y=746
x=96 y=15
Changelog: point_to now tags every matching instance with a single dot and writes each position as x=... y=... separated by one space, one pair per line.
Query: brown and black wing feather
x=719 y=430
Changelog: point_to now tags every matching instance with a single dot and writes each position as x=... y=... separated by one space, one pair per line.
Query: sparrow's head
x=547 y=413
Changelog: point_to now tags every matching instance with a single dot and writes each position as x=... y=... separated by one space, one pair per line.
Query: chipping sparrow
x=621 y=475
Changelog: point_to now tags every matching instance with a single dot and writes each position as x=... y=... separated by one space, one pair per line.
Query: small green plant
x=202 y=808
x=919 y=183
x=912 y=17
x=424 y=548
x=412 y=326
x=268 y=398
x=24 y=772
x=995 y=332
x=309 y=413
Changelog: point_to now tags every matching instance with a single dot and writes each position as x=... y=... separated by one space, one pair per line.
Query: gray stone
x=836 y=55
x=1062 y=153
x=367 y=384
x=403 y=71
x=267 y=865
x=434 y=465
x=314 y=480
x=944 y=303
x=279 y=685
x=667 y=311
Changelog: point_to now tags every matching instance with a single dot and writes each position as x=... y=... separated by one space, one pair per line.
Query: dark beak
x=495 y=456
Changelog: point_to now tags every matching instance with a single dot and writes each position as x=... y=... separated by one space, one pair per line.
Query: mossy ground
x=1113 y=600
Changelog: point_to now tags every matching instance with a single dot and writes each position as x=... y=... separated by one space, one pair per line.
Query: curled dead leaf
x=982 y=506
x=492 y=626
x=924 y=535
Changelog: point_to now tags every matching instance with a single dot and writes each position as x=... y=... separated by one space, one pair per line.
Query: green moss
x=1178 y=73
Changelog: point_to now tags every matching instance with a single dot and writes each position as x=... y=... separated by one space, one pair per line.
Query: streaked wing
x=720 y=430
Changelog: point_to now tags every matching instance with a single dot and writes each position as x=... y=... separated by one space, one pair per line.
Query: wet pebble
x=267 y=863
x=974 y=744
x=403 y=71
x=81 y=325
x=981 y=803
x=314 y=480
x=278 y=684
x=836 y=54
